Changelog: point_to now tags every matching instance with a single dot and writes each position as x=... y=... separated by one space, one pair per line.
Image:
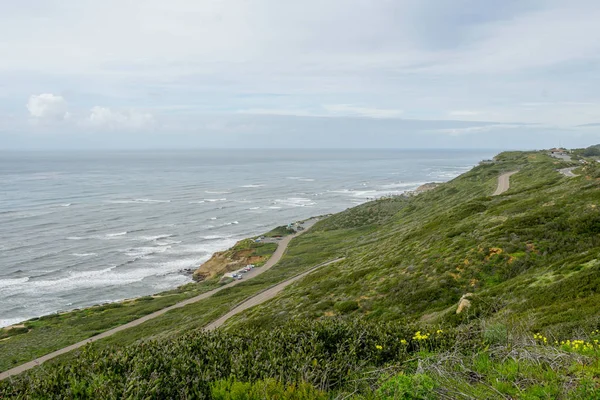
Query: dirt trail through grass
x=263 y=296
x=281 y=248
x=504 y=183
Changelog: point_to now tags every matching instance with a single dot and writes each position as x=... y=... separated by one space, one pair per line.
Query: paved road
x=504 y=183
x=281 y=247
x=263 y=296
x=568 y=172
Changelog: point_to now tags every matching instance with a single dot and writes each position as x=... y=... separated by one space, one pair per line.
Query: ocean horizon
x=81 y=228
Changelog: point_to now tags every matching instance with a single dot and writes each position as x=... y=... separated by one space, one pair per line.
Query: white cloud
x=278 y=111
x=481 y=129
x=105 y=118
x=47 y=106
x=463 y=113
x=357 y=111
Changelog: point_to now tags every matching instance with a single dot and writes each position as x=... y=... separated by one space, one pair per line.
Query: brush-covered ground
x=40 y=336
x=526 y=264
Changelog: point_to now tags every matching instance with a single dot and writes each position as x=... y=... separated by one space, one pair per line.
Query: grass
x=413 y=258
x=43 y=335
x=328 y=359
x=528 y=260
x=46 y=334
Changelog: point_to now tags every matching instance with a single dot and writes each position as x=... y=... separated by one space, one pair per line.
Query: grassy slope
x=43 y=335
x=530 y=255
x=55 y=331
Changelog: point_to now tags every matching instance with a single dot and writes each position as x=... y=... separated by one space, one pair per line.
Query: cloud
x=481 y=129
x=463 y=113
x=47 y=106
x=105 y=118
x=504 y=62
x=357 y=111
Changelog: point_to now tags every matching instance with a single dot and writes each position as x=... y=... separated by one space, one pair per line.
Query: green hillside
x=383 y=323
x=531 y=255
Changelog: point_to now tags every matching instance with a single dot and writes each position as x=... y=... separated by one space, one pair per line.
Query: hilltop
x=452 y=293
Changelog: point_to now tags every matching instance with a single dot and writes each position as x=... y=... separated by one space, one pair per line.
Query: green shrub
x=263 y=389
x=408 y=387
x=346 y=307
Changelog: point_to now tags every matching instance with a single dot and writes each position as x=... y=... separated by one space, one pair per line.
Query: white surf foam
x=7 y=283
x=252 y=186
x=155 y=238
x=401 y=185
x=216 y=192
x=84 y=254
x=295 y=202
x=214 y=237
x=215 y=200
x=117 y=234
x=139 y=252
x=137 y=201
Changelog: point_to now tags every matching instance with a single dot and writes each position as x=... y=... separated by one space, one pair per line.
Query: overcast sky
x=310 y=73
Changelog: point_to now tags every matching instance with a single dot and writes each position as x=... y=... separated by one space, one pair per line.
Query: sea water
x=82 y=228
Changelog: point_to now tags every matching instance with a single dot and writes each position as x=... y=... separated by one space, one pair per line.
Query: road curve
x=281 y=248
x=568 y=172
x=504 y=183
x=263 y=296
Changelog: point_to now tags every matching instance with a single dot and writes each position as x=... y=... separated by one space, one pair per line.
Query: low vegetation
x=384 y=322
x=333 y=358
x=40 y=336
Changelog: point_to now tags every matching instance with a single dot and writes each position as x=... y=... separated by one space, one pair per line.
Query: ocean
x=83 y=228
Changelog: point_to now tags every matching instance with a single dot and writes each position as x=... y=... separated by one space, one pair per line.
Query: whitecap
x=216 y=192
x=6 y=283
x=111 y=235
x=295 y=202
x=137 y=201
x=251 y=186
x=84 y=254
x=155 y=238
x=213 y=200
x=213 y=237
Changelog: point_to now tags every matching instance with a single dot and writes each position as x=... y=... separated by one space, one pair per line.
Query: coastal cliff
x=245 y=252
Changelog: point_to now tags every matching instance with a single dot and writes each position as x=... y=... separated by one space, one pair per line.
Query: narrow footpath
x=504 y=183
x=263 y=296
x=281 y=248
x=568 y=172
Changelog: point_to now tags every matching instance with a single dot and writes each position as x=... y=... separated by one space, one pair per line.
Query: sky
x=133 y=74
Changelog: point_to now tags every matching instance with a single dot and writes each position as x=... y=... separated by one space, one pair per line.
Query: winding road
x=503 y=183
x=568 y=172
x=263 y=296
x=257 y=299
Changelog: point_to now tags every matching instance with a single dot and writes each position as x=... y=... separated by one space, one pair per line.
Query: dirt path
x=281 y=248
x=263 y=296
x=504 y=183
x=568 y=172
